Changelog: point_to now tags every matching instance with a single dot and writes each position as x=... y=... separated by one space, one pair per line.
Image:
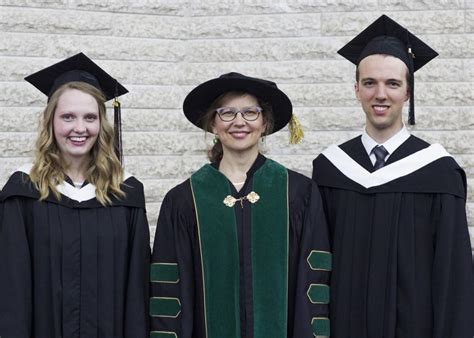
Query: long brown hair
x=104 y=169
x=207 y=121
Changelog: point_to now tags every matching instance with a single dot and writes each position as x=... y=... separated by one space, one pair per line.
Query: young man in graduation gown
x=395 y=205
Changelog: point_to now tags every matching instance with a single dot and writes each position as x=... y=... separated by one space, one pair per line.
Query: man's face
x=382 y=90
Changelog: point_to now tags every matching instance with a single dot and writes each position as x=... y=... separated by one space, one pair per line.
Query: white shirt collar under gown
x=85 y=193
x=390 y=145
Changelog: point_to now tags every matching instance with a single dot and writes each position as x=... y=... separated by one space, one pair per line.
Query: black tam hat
x=82 y=69
x=201 y=98
x=385 y=36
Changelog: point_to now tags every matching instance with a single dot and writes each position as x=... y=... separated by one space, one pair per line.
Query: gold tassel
x=296 y=130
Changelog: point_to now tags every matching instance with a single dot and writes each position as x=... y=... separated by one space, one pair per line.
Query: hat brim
x=198 y=101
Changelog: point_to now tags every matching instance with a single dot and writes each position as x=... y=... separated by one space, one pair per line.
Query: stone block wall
x=161 y=49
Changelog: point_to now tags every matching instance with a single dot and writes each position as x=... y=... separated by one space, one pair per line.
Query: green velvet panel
x=321 y=327
x=164 y=307
x=320 y=260
x=318 y=294
x=270 y=251
x=219 y=253
x=164 y=273
x=163 y=334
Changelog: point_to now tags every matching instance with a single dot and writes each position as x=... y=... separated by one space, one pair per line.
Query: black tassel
x=411 y=111
x=118 y=130
x=411 y=69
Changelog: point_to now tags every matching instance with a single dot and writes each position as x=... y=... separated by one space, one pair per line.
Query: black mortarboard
x=385 y=36
x=76 y=68
x=82 y=69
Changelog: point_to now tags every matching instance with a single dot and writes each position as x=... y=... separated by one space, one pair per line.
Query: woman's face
x=76 y=125
x=239 y=134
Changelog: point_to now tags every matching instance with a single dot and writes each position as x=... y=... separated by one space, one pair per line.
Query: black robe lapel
x=410 y=146
x=355 y=149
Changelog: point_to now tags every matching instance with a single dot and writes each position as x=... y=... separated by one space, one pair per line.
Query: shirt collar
x=390 y=145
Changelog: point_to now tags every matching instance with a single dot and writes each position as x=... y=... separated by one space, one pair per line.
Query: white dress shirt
x=390 y=145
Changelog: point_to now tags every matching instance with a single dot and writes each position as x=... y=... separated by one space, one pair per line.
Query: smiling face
x=239 y=135
x=76 y=125
x=382 y=90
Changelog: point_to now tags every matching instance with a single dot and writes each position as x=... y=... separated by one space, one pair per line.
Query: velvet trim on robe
x=220 y=253
x=177 y=242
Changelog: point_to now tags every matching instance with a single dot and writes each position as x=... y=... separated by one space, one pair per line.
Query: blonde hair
x=104 y=169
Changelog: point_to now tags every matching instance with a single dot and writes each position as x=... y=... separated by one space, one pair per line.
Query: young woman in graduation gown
x=241 y=247
x=74 y=238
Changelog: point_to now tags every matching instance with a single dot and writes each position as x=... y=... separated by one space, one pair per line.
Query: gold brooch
x=230 y=201
x=252 y=197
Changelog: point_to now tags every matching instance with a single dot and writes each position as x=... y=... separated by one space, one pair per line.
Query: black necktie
x=380 y=153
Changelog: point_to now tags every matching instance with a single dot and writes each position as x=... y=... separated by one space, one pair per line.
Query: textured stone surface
x=164 y=166
x=169 y=143
x=470 y=220
x=425 y=21
x=455 y=143
x=156 y=191
x=16 y=144
x=328 y=5
x=35 y=3
x=161 y=49
x=26 y=20
x=170 y=120
x=406 y=5
x=271 y=49
x=469 y=19
x=228 y=27
x=165 y=7
x=301 y=71
x=466 y=161
x=8 y=165
x=470 y=190
x=21 y=119
x=96 y=47
x=452 y=45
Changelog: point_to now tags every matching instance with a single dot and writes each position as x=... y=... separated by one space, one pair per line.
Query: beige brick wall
x=161 y=49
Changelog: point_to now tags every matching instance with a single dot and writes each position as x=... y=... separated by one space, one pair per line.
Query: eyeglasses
x=228 y=114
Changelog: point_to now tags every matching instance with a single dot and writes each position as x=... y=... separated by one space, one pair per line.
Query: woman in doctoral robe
x=241 y=247
x=74 y=238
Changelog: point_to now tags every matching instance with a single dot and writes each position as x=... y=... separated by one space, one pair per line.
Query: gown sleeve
x=172 y=274
x=453 y=274
x=313 y=271
x=136 y=316
x=15 y=272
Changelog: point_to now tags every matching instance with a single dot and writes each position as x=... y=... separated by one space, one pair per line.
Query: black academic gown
x=73 y=269
x=177 y=240
x=402 y=265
